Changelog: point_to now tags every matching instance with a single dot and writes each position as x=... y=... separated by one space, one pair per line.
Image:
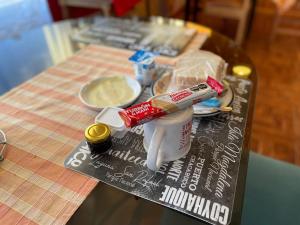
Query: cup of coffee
x=168 y=138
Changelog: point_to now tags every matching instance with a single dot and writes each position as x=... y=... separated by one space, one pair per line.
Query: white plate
x=86 y=89
x=225 y=99
x=160 y=85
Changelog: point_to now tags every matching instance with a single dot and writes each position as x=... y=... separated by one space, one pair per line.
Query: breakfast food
x=111 y=91
x=194 y=67
x=171 y=102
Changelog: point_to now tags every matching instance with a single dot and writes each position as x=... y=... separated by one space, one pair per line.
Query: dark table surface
x=37 y=49
x=33 y=50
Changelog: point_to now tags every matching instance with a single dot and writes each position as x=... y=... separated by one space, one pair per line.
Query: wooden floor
x=276 y=127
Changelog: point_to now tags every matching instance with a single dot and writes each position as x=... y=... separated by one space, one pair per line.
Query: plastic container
x=110 y=117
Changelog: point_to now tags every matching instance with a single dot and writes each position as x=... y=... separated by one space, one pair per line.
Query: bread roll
x=194 y=67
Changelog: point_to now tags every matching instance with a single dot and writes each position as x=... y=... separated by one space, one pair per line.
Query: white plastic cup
x=144 y=72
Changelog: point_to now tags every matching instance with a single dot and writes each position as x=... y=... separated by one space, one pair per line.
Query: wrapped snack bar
x=168 y=103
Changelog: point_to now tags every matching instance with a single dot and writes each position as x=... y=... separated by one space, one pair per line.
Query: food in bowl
x=117 y=91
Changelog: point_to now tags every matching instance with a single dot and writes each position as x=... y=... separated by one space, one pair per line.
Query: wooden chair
x=103 y=5
x=230 y=9
x=287 y=23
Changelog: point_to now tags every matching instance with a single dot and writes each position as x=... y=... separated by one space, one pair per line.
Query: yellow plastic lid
x=199 y=28
x=242 y=71
x=97 y=132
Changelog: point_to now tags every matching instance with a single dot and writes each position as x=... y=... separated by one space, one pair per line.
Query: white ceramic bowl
x=86 y=89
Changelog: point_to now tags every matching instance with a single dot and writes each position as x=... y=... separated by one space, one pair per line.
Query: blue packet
x=212 y=102
x=142 y=56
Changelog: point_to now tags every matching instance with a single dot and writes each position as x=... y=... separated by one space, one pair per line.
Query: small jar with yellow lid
x=98 y=137
x=242 y=71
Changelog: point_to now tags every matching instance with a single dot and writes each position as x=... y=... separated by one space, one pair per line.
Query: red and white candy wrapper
x=171 y=102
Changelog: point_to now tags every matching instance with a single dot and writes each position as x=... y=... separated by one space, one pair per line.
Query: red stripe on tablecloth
x=58 y=105
x=68 y=211
x=71 y=99
x=42 y=121
x=42 y=199
x=47 y=169
x=69 y=75
x=37 y=140
x=128 y=53
x=109 y=66
x=9 y=216
x=120 y=53
x=113 y=61
x=50 y=93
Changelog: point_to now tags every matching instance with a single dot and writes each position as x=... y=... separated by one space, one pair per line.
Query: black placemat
x=202 y=184
x=164 y=38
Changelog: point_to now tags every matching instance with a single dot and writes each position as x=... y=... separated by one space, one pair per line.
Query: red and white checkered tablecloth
x=44 y=120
